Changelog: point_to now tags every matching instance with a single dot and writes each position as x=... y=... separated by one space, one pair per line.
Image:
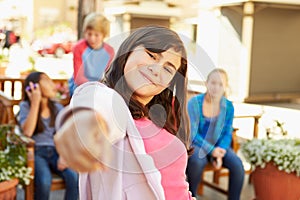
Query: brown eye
x=167 y=69
x=151 y=55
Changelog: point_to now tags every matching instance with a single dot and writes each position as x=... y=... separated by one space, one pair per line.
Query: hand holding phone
x=34 y=93
x=28 y=88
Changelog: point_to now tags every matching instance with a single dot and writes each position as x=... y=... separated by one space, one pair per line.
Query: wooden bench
x=6 y=109
x=235 y=145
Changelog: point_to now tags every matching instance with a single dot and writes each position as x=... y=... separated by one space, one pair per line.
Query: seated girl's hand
x=218 y=162
x=34 y=93
x=218 y=152
x=61 y=164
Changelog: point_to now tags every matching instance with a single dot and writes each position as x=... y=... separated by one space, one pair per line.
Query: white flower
x=284 y=153
x=13 y=155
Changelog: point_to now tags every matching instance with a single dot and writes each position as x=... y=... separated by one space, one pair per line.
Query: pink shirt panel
x=170 y=158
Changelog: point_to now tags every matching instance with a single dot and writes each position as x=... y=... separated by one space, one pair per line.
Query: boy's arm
x=78 y=67
x=111 y=53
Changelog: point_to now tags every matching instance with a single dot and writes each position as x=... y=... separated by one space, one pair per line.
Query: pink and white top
x=170 y=158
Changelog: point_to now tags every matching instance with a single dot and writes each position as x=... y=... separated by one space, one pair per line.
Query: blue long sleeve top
x=222 y=131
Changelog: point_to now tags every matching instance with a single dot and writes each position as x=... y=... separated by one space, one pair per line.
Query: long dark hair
x=155 y=39
x=35 y=77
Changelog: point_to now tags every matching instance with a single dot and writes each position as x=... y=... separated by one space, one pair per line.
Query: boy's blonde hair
x=97 y=22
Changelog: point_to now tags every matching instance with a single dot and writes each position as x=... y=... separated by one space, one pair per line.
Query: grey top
x=44 y=138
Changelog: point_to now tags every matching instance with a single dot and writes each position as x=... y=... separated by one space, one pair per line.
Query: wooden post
x=84 y=8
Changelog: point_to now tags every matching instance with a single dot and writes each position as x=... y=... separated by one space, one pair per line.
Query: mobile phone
x=29 y=89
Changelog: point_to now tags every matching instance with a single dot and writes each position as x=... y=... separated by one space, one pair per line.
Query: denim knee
x=71 y=178
x=42 y=186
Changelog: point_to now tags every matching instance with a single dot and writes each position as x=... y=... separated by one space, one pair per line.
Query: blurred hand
x=193 y=198
x=218 y=152
x=217 y=163
x=82 y=141
x=61 y=164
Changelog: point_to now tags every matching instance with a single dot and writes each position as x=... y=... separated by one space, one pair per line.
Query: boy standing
x=91 y=56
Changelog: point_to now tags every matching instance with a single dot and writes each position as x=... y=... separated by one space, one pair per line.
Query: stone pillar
x=247 y=36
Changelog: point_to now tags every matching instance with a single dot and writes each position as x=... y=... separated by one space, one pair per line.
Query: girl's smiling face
x=148 y=74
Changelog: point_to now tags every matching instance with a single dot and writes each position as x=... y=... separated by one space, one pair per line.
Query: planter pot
x=270 y=183
x=8 y=189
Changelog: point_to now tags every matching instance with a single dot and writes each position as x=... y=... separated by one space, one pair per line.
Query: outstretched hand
x=82 y=141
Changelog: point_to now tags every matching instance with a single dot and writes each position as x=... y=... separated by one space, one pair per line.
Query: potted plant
x=26 y=72
x=276 y=165
x=13 y=169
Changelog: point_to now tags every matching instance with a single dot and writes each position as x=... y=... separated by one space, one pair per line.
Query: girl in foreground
x=145 y=130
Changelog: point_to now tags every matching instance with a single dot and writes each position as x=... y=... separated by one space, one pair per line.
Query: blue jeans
x=45 y=162
x=231 y=161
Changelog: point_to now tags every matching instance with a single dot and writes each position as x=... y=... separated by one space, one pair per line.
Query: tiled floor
x=209 y=194
x=55 y=195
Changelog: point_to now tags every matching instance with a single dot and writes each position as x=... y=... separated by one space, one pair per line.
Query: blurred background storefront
x=255 y=41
